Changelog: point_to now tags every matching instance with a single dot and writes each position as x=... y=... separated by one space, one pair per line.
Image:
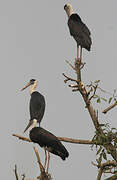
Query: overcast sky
x=34 y=43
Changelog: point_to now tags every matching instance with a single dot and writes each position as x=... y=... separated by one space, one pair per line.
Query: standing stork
x=78 y=30
x=49 y=142
x=37 y=104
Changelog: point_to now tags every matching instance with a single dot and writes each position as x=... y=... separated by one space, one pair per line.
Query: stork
x=37 y=104
x=49 y=142
x=78 y=30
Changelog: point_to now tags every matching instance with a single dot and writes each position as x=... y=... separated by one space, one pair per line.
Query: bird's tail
x=62 y=152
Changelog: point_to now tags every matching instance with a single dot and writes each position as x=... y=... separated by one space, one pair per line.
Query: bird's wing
x=76 y=26
x=37 y=107
x=48 y=138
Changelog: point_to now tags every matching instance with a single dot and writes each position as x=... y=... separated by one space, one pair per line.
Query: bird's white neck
x=33 y=124
x=33 y=87
x=69 y=11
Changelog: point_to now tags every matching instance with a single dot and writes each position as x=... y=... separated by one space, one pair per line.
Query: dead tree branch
x=108 y=163
x=64 y=139
x=43 y=175
x=114 y=177
x=70 y=65
x=22 y=137
x=99 y=174
x=110 y=107
x=69 y=79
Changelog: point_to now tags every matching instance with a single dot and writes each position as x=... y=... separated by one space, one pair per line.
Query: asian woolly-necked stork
x=37 y=104
x=49 y=141
x=78 y=30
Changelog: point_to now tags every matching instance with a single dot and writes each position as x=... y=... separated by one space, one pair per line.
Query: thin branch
x=69 y=79
x=112 y=177
x=39 y=161
x=108 y=163
x=109 y=108
x=22 y=137
x=70 y=65
x=64 y=139
x=95 y=88
x=76 y=141
x=16 y=174
x=100 y=174
x=43 y=175
x=82 y=65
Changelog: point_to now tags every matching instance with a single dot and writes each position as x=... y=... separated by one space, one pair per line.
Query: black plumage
x=49 y=141
x=79 y=31
x=37 y=106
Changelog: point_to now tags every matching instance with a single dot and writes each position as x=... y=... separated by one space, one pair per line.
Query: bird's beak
x=27 y=85
x=65 y=6
x=29 y=124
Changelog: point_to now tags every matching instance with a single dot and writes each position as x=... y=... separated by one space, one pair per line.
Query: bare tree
x=105 y=138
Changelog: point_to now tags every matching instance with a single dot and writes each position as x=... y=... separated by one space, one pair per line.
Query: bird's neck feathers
x=70 y=12
x=33 y=87
x=33 y=124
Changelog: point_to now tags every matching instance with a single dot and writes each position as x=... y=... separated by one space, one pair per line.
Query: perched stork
x=49 y=141
x=78 y=30
x=37 y=104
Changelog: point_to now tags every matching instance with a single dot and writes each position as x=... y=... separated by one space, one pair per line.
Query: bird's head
x=69 y=10
x=32 y=83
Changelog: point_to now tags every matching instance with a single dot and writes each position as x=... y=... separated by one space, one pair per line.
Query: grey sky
x=34 y=43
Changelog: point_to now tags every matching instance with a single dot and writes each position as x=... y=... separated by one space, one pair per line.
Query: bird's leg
x=45 y=158
x=77 y=53
x=80 y=54
x=48 y=162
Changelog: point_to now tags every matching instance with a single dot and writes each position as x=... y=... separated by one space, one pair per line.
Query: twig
x=108 y=163
x=69 y=79
x=73 y=86
x=16 y=174
x=112 y=177
x=82 y=65
x=64 y=139
x=22 y=137
x=100 y=174
x=95 y=88
x=109 y=108
x=70 y=65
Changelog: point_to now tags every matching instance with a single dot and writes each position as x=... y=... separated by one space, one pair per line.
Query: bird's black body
x=37 y=106
x=46 y=139
x=79 y=31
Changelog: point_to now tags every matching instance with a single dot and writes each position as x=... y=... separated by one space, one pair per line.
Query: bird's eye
x=32 y=81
